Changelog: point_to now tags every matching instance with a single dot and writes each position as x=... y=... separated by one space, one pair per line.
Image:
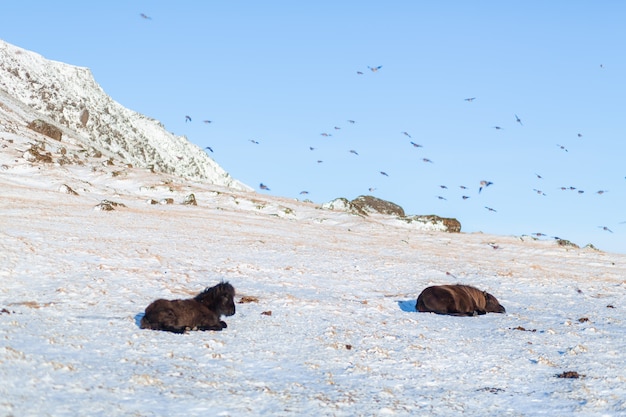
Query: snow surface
x=333 y=330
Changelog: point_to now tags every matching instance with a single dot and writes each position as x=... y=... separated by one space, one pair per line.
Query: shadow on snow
x=407 y=305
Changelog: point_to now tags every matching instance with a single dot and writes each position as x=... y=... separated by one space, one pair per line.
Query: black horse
x=199 y=313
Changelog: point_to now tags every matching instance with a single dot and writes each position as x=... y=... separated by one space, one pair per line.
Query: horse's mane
x=211 y=293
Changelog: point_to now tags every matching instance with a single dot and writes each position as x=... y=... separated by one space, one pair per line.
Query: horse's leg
x=213 y=323
x=179 y=330
x=211 y=327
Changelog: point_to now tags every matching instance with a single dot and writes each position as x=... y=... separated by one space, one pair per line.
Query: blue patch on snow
x=407 y=305
x=138 y=318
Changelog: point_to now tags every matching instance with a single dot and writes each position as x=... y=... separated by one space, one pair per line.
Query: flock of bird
x=481 y=186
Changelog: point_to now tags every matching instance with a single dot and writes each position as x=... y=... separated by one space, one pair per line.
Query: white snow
x=342 y=338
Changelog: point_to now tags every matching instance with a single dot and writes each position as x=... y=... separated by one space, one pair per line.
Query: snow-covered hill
x=70 y=98
x=325 y=322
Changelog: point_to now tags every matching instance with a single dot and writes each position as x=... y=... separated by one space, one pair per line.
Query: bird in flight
x=209 y=148
x=605 y=229
x=384 y=173
x=351 y=121
x=562 y=147
x=187 y=119
x=427 y=160
x=303 y=192
x=207 y=121
x=144 y=16
x=254 y=141
x=264 y=187
x=490 y=209
x=326 y=134
x=538 y=176
x=484 y=184
x=375 y=69
x=442 y=198
x=497 y=127
x=359 y=73
x=518 y=120
x=539 y=192
x=406 y=134
x=417 y=145
x=600 y=192
x=470 y=99
x=354 y=152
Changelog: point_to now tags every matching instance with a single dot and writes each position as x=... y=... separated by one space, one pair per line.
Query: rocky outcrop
x=190 y=200
x=108 y=205
x=84 y=117
x=368 y=204
x=365 y=205
x=37 y=153
x=64 y=188
x=46 y=129
x=338 y=204
x=445 y=224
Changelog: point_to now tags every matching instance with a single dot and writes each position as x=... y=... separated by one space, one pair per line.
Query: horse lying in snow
x=457 y=300
x=199 y=313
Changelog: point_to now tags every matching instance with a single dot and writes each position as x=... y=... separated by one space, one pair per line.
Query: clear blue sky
x=281 y=73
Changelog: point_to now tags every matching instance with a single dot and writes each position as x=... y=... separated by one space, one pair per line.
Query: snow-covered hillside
x=70 y=98
x=333 y=329
x=325 y=322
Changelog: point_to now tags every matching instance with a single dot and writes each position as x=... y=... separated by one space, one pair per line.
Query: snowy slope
x=70 y=98
x=342 y=338
x=333 y=330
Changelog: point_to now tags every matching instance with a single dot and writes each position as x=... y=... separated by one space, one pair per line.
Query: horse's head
x=227 y=300
x=492 y=305
x=220 y=299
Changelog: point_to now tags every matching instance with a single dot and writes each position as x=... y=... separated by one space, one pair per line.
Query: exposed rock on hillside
x=108 y=205
x=190 y=200
x=64 y=188
x=366 y=205
x=439 y=223
x=338 y=204
x=46 y=128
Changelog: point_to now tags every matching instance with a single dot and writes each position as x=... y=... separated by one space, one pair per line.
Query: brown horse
x=199 y=313
x=457 y=300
